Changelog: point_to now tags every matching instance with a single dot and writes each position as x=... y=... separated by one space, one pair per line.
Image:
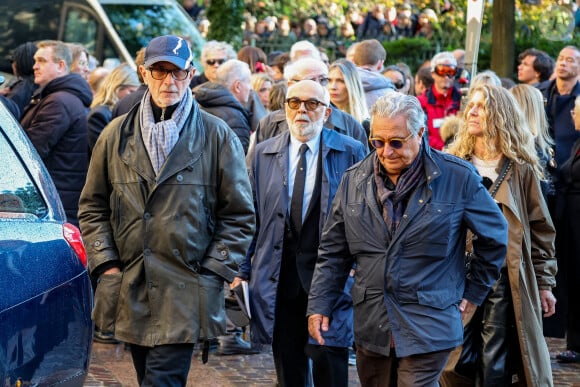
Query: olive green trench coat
x=176 y=236
x=532 y=267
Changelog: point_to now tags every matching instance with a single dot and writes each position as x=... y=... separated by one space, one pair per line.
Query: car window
x=19 y=196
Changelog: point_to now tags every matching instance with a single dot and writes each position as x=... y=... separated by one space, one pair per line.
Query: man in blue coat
x=294 y=177
x=402 y=216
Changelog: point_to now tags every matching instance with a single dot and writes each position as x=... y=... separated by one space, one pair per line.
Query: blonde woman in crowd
x=503 y=339
x=123 y=80
x=262 y=84
x=531 y=102
x=346 y=90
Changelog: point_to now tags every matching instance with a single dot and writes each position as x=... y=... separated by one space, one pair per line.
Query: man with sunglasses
x=281 y=259
x=443 y=98
x=274 y=123
x=167 y=216
x=402 y=215
x=213 y=54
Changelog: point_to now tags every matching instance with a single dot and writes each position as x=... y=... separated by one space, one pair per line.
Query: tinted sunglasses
x=310 y=104
x=395 y=142
x=445 y=71
x=212 y=62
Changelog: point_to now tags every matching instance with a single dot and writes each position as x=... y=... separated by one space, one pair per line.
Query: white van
x=109 y=29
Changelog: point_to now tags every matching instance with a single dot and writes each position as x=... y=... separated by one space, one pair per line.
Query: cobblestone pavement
x=111 y=366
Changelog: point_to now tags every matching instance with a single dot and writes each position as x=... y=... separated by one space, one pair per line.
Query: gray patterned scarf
x=161 y=137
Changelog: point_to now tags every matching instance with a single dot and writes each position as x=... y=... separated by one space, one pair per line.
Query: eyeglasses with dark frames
x=395 y=142
x=322 y=80
x=160 y=74
x=310 y=104
x=212 y=62
x=446 y=71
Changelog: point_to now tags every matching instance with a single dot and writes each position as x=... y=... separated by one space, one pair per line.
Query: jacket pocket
x=211 y=305
x=371 y=322
x=106 y=301
x=439 y=299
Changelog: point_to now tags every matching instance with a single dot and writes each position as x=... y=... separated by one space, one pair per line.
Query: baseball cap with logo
x=168 y=48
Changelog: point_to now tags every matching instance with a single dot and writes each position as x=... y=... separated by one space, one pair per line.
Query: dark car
x=45 y=291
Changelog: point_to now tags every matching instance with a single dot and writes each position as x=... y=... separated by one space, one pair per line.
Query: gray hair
x=303 y=49
x=215 y=46
x=295 y=68
x=444 y=57
x=393 y=104
x=231 y=71
x=488 y=76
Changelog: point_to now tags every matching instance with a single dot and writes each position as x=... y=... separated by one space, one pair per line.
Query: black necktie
x=298 y=190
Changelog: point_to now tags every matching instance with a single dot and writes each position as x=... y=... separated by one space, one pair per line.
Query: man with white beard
x=294 y=177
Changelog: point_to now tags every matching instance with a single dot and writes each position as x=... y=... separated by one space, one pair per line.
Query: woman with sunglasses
x=443 y=98
x=503 y=339
x=346 y=90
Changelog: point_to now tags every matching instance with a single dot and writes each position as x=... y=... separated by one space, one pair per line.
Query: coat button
x=179 y=178
x=146 y=216
x=97 y=243
x=176 y=252
x=147 y=252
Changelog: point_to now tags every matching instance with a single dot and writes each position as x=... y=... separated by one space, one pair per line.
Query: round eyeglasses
x=395 y=142
x=160 y=74
x=310 y=104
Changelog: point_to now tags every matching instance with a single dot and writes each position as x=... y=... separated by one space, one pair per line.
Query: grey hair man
x=442 y=99
x=227 y=96
x=295 y=176
x=213 y=54
x=402 y=214
x=315 y=70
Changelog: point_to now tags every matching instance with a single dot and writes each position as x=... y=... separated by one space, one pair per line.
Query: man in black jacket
x=226 y=97
x=56 y=122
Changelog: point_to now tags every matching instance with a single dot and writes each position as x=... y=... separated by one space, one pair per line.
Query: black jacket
x=56 y=123
x=217 y=100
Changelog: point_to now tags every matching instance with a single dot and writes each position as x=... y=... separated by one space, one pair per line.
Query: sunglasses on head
x=310 y=104
x=446 y=71
x=395 y=142
x=212 y=62
x=399 y=85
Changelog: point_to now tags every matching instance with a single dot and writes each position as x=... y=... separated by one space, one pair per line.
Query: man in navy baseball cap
x=169 y=48
x=161 y=267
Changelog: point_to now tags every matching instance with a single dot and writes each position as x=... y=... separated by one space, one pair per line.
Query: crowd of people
x=334 y=30
x=427 y=223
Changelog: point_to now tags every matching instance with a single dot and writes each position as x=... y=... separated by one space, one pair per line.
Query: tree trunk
x=503 y=37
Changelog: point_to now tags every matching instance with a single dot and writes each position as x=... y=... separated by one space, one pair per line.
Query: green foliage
x=412 y=51
x=226 y=17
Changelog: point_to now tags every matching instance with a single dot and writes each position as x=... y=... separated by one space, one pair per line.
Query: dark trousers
x=163 y=365
x=291 y=352
x=376 y=370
